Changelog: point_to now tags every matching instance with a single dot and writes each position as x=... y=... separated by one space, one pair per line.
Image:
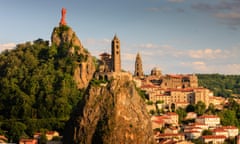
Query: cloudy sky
x=178 y=36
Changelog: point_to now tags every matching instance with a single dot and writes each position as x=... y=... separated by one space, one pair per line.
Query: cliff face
x=63 y=37
x=110 y=113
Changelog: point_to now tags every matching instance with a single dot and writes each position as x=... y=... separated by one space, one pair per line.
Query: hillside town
x=167 y=93
x=181 y=111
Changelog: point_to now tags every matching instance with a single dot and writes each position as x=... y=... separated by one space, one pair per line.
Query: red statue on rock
x=63 y=21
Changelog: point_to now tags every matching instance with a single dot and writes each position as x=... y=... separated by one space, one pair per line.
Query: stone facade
x=138 y=67
x=175 y=90
x=179 y=81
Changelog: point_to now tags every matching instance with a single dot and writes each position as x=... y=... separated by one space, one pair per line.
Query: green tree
x=190 y=108
x=207 y=132
x=228 y=117
x=211 y=109
x=200 y=108
x=181 y=114
x=14 y=130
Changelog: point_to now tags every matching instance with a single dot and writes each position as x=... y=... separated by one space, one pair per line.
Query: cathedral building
x=172 y=89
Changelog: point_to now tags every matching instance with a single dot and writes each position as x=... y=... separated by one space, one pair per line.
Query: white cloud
x=196 y=66
x=7 y=46
x=207 y=53
x=148 y=46
x=96 y=42
x=232 y=15
x=128 y=57
x=204 y=67
x=232 y=69
x=226 y=11
x=97 y=46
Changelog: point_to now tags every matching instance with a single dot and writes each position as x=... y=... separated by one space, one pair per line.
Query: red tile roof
x=170 y=134
x=214 y=137
x=229 y=127
x=219 y=130
x=172 y=113
x=208 y=116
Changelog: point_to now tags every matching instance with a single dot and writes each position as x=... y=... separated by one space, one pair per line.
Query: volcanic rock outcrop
x=112 y=112
x=66 y=40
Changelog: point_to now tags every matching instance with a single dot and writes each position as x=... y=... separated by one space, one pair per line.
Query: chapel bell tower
x=116 y=58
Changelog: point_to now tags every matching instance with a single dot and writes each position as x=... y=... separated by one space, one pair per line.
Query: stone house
x=214 y=139
x=210 y=120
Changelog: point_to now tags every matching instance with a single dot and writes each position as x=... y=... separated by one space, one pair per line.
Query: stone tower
x=138 y=67
x=116 y=58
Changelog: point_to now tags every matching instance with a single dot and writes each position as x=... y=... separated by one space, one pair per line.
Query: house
x=198 y=125
x=209 y=120
x=3 y=139
x=173 y=118
x=170 y=141
x=187 y=129
x=51 y=134
x=220 y=131
x=160 y=121
x=191 y=115
x=232 y=131
x=214 y=139
x=157 y=124
x=192 y=134
x=37 y=135
x=178 y=136
x=28 y=141
x=171 y=130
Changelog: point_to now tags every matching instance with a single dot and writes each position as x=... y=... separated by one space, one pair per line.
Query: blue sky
x=178 y=36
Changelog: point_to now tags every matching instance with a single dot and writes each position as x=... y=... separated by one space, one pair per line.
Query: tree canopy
x=221 y=85
x=36 y=83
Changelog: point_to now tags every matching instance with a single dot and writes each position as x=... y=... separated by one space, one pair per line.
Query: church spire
x=138 y=67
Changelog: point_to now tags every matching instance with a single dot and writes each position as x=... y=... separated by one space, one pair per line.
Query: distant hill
x=221 y=85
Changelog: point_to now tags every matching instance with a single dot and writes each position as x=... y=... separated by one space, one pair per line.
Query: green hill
x=221 y=85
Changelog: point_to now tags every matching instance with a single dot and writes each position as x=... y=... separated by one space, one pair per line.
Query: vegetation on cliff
x=40 y=84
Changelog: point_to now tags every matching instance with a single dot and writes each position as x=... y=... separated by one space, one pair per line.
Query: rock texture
x=64 y=37
x=111 y=113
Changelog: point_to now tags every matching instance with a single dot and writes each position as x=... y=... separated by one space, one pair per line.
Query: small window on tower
x=117 y=47
x=117 y=52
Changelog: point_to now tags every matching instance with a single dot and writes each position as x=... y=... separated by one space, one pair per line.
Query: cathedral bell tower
x=138 y=67
x=116 y=57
